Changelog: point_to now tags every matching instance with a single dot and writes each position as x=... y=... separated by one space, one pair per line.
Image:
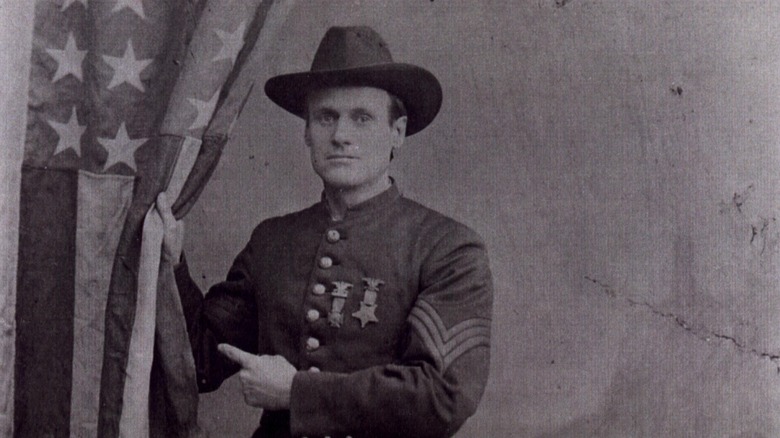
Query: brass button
x=333 y=236
x=318 y=289
x=312 y=344
x=312 y=315
x=314 y=369
x=326 y=262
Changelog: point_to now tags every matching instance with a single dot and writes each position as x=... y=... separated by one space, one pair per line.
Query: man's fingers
x=164 y=208
x=237 y=355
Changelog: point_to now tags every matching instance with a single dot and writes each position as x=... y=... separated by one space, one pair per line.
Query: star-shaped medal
x=366 y=314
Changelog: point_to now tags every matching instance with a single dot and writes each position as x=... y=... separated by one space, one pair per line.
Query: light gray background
x=620 y=157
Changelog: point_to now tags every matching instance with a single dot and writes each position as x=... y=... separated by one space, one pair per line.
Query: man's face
x=350 y=137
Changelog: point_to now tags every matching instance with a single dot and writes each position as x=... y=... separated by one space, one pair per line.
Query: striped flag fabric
x=126 y=99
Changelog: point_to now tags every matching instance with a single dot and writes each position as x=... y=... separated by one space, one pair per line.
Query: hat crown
x=350 y=47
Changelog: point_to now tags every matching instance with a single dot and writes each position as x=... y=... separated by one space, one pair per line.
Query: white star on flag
x=70 y=133
x=127 y=68
x=121 y=148
x=205 y=110
x=66 y=4
x=136 y=5
x=231 y=43
x=69 y=60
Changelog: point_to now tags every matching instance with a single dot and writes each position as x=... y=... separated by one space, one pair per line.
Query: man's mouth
x=341 y=157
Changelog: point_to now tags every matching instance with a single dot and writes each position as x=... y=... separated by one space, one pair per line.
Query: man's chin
x=339 y=177
x=339 y=183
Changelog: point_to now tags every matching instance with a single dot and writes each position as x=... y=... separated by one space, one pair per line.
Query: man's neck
x=340 y=199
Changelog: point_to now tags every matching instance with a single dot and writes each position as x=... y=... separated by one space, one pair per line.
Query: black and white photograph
x=390 y=218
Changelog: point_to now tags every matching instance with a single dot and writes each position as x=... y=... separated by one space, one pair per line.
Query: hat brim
x=418 y=88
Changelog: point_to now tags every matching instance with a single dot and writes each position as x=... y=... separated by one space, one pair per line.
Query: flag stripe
x=45 y=302
x=208 y=158
x=134 y=420
x=103 y=202
x=173 y=379
x=120 y=308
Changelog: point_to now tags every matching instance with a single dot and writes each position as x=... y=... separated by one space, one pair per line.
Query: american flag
x=127 y=98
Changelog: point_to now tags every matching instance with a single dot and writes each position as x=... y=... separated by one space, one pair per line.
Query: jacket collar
x=377 y=203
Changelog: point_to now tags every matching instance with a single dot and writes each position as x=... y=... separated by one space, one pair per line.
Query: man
x=366 y=314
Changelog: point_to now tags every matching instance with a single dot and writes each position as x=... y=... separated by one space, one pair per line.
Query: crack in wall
x=699 y=332
x=561 y=3
x=761 y=233
x=739 y=199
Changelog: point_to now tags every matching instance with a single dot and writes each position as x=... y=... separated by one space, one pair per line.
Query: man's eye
x=364 y=118
x=326 y=119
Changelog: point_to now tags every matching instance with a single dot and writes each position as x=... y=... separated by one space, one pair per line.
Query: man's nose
x=342 y=133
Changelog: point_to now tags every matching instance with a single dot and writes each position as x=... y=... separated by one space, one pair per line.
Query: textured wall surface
x=621 y=159
x=15 y=44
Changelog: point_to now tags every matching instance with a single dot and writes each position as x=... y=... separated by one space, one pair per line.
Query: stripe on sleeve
x=447 y=344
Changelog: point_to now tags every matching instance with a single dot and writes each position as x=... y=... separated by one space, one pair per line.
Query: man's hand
x=267 y=380
x=173 y=239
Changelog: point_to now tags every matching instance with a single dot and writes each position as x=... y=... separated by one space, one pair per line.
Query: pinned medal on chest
x=340 y=293
x=367 y=312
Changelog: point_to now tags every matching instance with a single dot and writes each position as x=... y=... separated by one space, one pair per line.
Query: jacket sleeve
x=441 y=375
x=225 y=315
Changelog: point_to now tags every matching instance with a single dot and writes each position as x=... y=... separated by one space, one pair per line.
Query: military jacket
x=386 y=314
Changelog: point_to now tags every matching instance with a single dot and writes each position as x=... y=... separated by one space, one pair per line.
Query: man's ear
x=399 y=129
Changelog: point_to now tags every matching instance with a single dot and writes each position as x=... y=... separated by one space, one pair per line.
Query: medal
x=339 y=294
x=367 y=312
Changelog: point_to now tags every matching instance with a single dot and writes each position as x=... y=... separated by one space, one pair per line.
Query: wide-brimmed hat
x=357 y=56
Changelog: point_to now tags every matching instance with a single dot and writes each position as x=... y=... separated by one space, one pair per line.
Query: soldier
x=366 y=314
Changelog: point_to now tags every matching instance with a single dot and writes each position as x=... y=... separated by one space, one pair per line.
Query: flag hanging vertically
x=127 y=98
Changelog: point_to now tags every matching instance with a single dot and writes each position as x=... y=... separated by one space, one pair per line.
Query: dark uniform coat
x=386 y=315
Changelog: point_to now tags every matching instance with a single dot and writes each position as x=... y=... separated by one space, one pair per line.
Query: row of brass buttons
x=318 y=289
